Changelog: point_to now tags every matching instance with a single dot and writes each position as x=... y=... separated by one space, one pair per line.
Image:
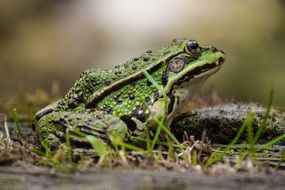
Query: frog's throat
x=183 y=93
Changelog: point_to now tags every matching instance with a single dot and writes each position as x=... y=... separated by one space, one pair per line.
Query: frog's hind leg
x=53 y=127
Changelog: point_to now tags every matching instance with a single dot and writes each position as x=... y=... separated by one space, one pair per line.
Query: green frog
x=123 y=99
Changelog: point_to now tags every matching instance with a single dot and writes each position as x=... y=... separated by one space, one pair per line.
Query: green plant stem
x=68 y=147
x=155 y=138
x=167 y=131
x=16 y=121
x=264 y=121
x=272 y=142
x=218 y=156
x=159 y=87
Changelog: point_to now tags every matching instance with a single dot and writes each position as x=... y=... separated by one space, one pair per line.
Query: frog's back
x=94 y=81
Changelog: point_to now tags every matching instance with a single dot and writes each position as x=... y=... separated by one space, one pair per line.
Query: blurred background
x=47 y=44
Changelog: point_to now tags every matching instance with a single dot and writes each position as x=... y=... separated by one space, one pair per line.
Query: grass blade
x=167 y=131
x=264 y=121
x=16 y=121
x=272 y=142
x=97 y=145
x=159 y=87
x=216 y=156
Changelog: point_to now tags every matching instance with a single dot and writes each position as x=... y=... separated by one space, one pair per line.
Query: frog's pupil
x=192 y=45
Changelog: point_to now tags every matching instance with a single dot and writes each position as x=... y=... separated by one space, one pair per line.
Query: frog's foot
x=53 y=127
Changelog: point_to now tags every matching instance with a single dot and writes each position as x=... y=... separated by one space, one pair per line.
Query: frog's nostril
x=221 y=60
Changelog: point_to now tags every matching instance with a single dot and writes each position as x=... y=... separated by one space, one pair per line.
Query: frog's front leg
x=158 y=112
x=54 y=126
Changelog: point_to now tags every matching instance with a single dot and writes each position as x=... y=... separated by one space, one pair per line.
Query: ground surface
x=17 y=173
x=27 y=178
x=19 y=168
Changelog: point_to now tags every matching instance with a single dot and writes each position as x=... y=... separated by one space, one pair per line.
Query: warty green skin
x=121 y=99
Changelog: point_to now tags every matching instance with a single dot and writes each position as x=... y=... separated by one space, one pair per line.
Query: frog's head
x=187 y=70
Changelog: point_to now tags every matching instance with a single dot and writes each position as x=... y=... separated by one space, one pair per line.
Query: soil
x=22 y=178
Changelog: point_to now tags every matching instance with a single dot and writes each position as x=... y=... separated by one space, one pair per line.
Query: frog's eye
x=176 y=65
x=192 y=46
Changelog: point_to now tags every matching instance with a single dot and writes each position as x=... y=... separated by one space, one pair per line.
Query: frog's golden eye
x=176 y=65
x=192 y=47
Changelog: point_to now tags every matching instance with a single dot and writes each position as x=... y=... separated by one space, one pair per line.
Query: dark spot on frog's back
x=100 y=116
x=139 y=113
x=81 y=75
x=59 y=121
x=155 y=96
x=118 y=73
x=134 y=67
x=166 y=52
x=92 y=80
x=72 y=104
x=75 y=99
x=107 y=82
x=136 y=58
x=148 y=101
x=131 y=97
x=107 y=110
x=148 y=83
x=118 y=101
x=146 y=59
x=84 y=73
x=126 y=65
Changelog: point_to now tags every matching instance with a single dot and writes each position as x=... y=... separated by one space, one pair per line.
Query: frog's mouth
x=201 y=71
